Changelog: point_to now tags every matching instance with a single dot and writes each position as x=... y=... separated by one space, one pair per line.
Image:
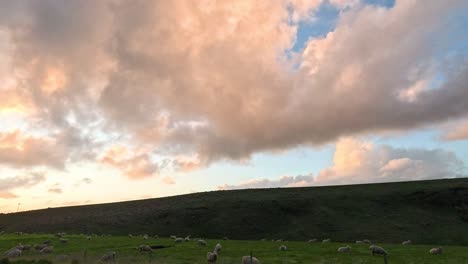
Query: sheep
x=145 y=237
x=47 y=250
x=376 y=250
x=88 y=238
x=436 y=251
x=63 y=240
x=145 y=248
x=110 y=256
x=282 y=248
x=344 y=249
x=211 y=257
x=250 y=260
x=156 y=236
x=130 y=235
x=313 y=240
x=217 y=248
x=225 y=238
x=367 y=241
x=187 y=238
x=47 y=242
x=201 y=242
x=407 y=242
x=40 y=246
x=179 y=240
x=328 y=240
x=24 y=247
x=13 y=253
x=173 y=237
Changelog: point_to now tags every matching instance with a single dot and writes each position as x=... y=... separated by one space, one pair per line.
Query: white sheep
x=328 y=240
x=282 y=248
x=201 y=242
x=376 y=250
x=108 y=257
x=359 y=242
x=187 y=238
x=436 y=251
x=88 y=238
x=367 y=241
x=173 y=237
x=344 y=249
x=217 y=248
x=156 y=236
x=312 y=240
x=211 y=257
x=13 y=253
x=250 y=260
x=47 y=250
x=145 y=237
x=179 y=240
x=145 y=248
x=407 y=242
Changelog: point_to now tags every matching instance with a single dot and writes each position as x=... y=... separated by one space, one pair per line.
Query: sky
x=114 y=100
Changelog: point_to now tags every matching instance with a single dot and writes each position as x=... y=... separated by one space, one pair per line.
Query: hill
x=430 y=212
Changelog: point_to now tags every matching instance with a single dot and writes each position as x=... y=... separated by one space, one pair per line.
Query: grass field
x=84 y=251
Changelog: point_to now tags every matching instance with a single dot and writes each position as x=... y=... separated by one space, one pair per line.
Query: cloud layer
x=218 y=79
x=356 y=161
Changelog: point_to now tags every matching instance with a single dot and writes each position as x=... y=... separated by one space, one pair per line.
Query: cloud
x=168 y=180
x=458 y=132
x=21 y=181
x=55 y=190
x=357 y=161
x=132 y=165
x=222 y=81
x=86 y=180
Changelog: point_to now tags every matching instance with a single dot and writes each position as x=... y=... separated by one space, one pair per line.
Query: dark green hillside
x=434 y=212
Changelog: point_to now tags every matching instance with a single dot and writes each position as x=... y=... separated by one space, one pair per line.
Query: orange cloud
x=132 y=165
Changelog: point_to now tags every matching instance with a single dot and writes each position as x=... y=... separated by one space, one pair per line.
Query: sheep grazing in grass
x=88 y=238
x=202 y=242
x=173 y=237
x=211 y=257
x=110 y=256
x=217 y=248
x=225 y=238
x=179 y=240
x=344 y=249
x=145 y=237
x=47 y=242
x=313 y=240
x=328 y=240
x=145 y=248
x=39 y=246
x=367 y=241
x=156 y=236
x=436 y=251
x=130 y=235
x=250 y=260
x=13 y=253
x=282 y=248
x=47 y=250
x=407 y=242
x=187 y=238
x=63 y=240
x=376 y=250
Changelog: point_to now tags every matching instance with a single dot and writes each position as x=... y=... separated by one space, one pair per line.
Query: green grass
x=232 y=251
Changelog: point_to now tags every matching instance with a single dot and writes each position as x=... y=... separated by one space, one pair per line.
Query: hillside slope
x=426 y=212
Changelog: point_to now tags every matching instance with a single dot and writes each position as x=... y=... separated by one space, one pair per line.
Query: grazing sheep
x=407 y=242
x=179 y=240
x=367 y=241
x=359 y=242
x=47 y=250
x=145 y=237
x=23 y=247
x=63 y=240
x=40 y=246
x=344 y=249
x=250 y=260
x=145 y=248
x=88 y=238
x=282 y=248
x=376 y=250
x=225 y=238
x=13 y=253
x=187 y=238
x=130 y=235
x=211 y=257
x=201 y=242
x=47 y=242
x=217 y=248
x=313 y=240
x=436 y=251
x=279 y=240
x=328 y=240
x=156 y=236
x=108 y=257
x=173 y=237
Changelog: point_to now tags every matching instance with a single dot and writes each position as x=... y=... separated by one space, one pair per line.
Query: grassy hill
x=429 y=212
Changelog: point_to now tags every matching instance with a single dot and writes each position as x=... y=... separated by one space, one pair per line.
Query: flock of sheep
x=46 y=248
